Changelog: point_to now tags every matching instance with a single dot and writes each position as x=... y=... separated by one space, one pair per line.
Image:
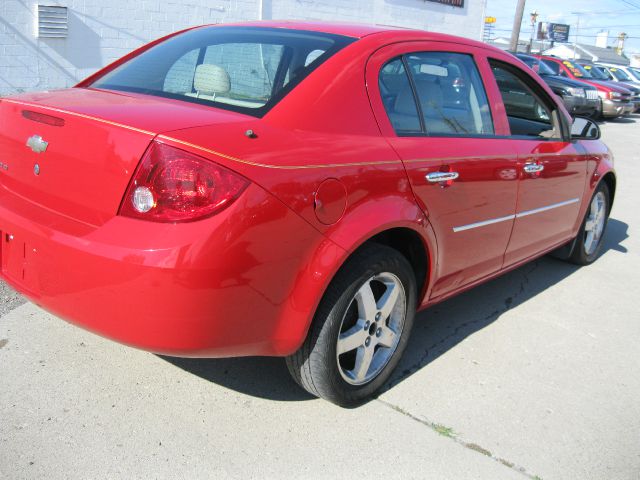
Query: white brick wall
x=101 y=31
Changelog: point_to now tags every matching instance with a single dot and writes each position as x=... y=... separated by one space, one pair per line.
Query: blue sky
x=596 y=15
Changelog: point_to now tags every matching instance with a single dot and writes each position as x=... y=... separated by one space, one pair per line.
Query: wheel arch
x=415 y=241
x=412 y=246
x=611 y=181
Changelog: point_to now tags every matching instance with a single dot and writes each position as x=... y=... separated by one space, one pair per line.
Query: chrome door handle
x=533 y=167
x=437 y=177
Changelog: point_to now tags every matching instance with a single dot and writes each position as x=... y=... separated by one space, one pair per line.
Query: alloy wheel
x=371 y=328
x=594 y=226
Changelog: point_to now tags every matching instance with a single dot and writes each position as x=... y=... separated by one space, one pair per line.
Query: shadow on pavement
x=629 y=119
x=437 y=330
x=441 y=327
x=264 y=377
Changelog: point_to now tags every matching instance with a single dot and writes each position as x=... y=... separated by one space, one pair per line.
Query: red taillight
x=172 y=185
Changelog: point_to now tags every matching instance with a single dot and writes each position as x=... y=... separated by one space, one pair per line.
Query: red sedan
x=291 y=189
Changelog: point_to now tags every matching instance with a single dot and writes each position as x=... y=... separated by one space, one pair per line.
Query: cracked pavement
x=533 y=375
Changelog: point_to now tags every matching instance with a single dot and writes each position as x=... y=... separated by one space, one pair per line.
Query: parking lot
x=533 y=375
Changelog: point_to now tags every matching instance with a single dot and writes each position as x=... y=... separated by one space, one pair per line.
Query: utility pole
x=621 y=38
x=534 y=22
x=517 y=22
x=575 y=44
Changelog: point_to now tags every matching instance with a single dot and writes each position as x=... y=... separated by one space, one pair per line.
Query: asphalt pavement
x=533 y=375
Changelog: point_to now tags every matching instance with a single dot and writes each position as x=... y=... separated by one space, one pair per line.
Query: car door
x=431 y=105
x=551 y=169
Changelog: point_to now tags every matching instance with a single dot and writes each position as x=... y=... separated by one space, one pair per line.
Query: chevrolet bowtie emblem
x=37 y=144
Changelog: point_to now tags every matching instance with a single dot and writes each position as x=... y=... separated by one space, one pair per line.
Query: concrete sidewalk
x=533 y=375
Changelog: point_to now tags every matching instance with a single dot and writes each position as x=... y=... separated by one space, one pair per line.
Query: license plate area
x=12 y=257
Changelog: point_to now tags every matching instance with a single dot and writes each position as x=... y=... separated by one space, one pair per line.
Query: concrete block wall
x=100 y=31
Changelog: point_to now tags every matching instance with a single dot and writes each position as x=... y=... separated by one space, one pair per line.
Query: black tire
x=316 y=366
x=580 y=255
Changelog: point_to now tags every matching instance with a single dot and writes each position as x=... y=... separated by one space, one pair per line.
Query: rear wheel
x=589 y=240
x=360 y=329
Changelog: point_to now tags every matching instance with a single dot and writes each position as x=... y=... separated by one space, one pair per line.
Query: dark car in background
x=580 y=98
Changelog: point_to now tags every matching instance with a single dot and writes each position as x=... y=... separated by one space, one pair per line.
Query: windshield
x=635 y=72
x=600 y=73
x=245 y=69
x=620 y=75
x=577 y=70
x=596 y=72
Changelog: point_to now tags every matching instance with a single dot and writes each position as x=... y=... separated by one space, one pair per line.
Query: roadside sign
x=558 y=32
x=453 y=3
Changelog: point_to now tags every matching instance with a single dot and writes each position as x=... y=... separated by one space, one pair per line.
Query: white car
x=621 y=73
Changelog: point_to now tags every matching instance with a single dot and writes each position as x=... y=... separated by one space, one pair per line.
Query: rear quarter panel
x=324 y=129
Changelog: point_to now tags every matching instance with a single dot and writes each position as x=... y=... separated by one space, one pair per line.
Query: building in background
x=55 y=44
x=587 y=52
x=504 y=43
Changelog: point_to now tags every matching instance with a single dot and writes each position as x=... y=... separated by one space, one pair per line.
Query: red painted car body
x=326 y=174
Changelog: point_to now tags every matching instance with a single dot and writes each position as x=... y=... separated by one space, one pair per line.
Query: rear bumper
x=224 y=286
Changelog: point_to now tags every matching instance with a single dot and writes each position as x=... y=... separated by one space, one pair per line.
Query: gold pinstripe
x=282 y=167
x=264 y=165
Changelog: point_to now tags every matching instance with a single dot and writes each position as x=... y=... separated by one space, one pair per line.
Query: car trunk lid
x=74 y=151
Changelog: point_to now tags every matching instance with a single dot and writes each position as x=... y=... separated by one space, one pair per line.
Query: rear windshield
x=245 y=69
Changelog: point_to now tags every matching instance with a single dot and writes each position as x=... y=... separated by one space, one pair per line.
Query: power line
x=579 y=36
x=609 y=12
x=611 y=26
x=627 y=2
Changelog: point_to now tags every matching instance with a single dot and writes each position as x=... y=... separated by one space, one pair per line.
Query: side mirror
x=584 y=129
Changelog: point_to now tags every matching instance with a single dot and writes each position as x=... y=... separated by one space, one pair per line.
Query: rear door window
x=435 y=93
x=398 y=98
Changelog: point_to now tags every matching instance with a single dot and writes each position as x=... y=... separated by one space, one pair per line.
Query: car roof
x=606 y=64
x=356 y=30
x=337 y=28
